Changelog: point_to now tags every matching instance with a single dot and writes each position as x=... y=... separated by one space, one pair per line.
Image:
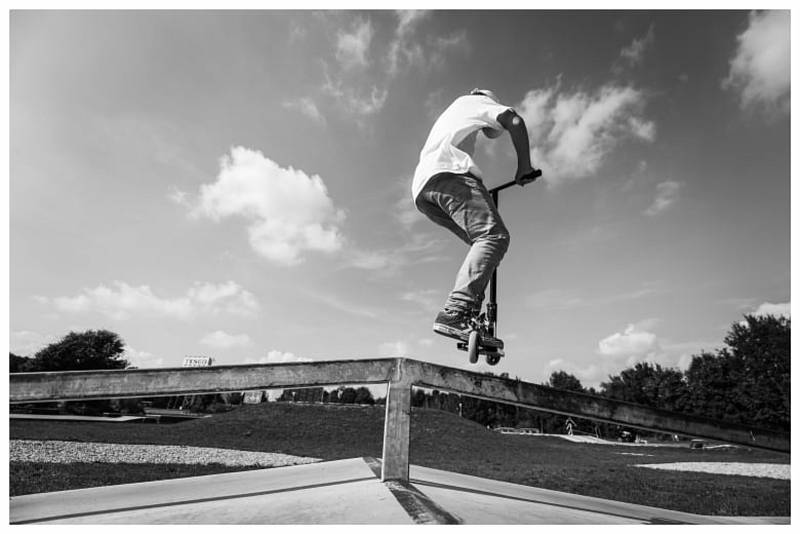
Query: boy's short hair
x=485 y=92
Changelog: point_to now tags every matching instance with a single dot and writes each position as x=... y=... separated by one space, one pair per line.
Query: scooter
x=482 y=338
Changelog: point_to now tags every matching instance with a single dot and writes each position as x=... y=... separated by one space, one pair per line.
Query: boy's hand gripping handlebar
x=528 y=178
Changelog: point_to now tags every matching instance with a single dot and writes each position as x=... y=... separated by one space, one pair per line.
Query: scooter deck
x=483 y=350
x=486 y=342
x=486 y=345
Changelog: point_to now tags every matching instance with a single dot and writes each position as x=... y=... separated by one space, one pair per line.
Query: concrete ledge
x=343 y=491
x=338 y=492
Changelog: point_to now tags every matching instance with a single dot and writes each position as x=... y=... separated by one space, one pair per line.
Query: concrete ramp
x=337 y=492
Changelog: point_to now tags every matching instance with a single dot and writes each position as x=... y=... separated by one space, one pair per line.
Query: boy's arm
x=519 y=136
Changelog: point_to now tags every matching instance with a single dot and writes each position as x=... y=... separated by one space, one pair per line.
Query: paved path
x=337 y=492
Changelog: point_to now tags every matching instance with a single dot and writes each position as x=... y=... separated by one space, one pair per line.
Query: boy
x=448 y=189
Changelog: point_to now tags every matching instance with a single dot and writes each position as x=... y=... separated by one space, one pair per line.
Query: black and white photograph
x=476 y=264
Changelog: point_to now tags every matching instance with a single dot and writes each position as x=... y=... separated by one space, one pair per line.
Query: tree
x=19 y=364
x=363 y=396
x=347 y=395
x=418 y=397
x=712 y=387
x=566 y=381
x=762 y=345
x=747 y=381
x=90 y=350
x=650 y=385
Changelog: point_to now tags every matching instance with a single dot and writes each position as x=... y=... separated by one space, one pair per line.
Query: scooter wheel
x=472 y=346
x=492 y=359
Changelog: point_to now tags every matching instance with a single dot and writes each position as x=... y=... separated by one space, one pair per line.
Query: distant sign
x=197 y=361
x=253 y=397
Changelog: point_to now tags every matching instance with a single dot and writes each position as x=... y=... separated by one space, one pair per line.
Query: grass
x=438 y=439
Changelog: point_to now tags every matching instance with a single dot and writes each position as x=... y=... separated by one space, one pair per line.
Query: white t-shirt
x=451 y=143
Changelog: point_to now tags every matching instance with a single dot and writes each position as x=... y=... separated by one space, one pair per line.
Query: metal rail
x=401 y=375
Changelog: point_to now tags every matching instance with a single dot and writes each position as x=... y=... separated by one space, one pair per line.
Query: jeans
x=461 y=203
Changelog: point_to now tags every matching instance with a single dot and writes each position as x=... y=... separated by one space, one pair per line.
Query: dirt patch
x=777 y=471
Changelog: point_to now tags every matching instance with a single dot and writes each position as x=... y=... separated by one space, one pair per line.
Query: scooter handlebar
x=531 y=176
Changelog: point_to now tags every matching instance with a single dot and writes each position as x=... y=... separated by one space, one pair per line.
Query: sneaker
x=452 y=323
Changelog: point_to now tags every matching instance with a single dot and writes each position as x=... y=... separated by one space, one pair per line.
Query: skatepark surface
x=339 y=492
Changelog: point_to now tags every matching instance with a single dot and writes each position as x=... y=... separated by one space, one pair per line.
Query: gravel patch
x=779 y=471
x=53 y=451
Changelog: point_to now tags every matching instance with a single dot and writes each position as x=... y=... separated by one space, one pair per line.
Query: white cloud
x=783 y=309
x=666 y=196
x=402 y=47
x=352 y=48
x=408 y=20
x=141 y=359
x=307 y=107
x=574 y=133
x=634 y=52
x=393 y=349
x=641 y=129
x=178 y=197
x=356 y=98
x=288 y=211
x=123 y=301
x=349 y=82
x=358 y=87
x=760 y=71
x=228 y=297
x=369 y=103
x=406 y=51
x=276 y=356
x=454 y=40
x=633 y=343
x=223 y=340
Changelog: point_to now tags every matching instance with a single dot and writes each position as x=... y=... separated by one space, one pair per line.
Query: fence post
x=397 y=427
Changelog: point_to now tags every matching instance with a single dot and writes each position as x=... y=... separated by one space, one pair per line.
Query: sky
x=236 y=184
